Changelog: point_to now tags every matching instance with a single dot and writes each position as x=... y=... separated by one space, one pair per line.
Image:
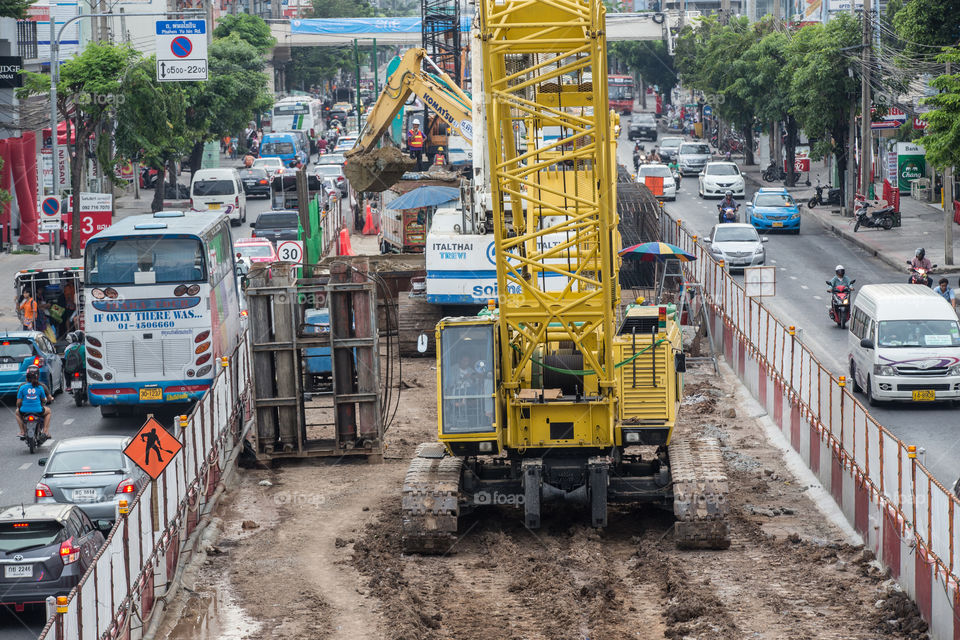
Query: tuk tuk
x=57 y=287
x=285 y=190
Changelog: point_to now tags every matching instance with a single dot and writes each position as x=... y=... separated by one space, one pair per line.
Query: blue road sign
x=50 y=207
x=707 y=110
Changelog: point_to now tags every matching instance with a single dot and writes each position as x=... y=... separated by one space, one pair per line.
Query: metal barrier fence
x=909 y=519
x=116 y=597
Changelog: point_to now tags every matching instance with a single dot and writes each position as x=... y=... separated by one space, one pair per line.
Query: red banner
x=799 y=164
x=95 y=216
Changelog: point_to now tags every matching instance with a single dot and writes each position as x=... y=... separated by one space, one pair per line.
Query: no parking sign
x=50 y=213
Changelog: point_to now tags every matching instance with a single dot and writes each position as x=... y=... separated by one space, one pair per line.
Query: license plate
x=18 y=571
x=213 y=205
x=925 y=395
x=9 y=366
x=778 y=224
x=249 y=183
x=153 y=393
x=76 y=384
x=84 y=495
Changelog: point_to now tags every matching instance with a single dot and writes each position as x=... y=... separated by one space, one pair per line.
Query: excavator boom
x=372 y=169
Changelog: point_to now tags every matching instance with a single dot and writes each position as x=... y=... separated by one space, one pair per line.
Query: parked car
x=643 y=126
x=737 y=244
x=19 y=350
x=44 y=550
x=277 y=225
x=334 y=171
x=331 y=158
x=345 y=143
x=250 y=250
x=91 y=472
x=273 y=166
x=669 y=147
x=660 y=171
x=719 y=177
x=774 y=208
x=256 y=181
x=692 y=157
x=219 y=191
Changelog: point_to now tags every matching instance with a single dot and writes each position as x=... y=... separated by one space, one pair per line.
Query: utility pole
x=724 y=11
x=865 y=141
x=124 y=36
x=850 y=179
x=948 y=207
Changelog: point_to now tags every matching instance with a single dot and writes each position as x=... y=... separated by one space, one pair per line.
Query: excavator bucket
x=376 y=169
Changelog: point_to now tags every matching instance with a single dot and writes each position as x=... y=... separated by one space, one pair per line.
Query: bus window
x=124 y=262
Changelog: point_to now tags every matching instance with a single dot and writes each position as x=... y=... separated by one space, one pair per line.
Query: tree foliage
x=942 y=136
x=928 y=23
x=648 y=60
x=314 y=65
x=14 y=8
x=251 y=29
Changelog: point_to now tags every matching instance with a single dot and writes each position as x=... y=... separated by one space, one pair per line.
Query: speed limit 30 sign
x=290 y=251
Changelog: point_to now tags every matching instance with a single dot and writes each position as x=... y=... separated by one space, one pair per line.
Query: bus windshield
x=144 y=260
x=277 y=148
x=290 y=109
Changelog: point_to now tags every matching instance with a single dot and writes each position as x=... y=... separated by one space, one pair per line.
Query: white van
x=904 y=344
x=219 y=190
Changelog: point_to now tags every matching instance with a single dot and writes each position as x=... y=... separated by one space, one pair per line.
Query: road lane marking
x=817 y=298
x=804 y=287
x=793 y=277
x=25 y=466
x=68 y=421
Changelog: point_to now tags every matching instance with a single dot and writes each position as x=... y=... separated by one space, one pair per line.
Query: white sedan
x=655 y=170
x=719 y=177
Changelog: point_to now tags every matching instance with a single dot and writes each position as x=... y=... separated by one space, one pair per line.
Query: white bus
x=299 y=114
x=161 y=306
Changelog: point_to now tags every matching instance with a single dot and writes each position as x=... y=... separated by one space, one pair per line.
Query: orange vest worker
x=415 y=138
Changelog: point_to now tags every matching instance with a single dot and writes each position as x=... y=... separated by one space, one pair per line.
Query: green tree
x=151 y=123
x=928 y=23
x=14 y=8
x=942 y=136
x=315 y=65
x=648 y=60
x=89 y=86
x=251 y=29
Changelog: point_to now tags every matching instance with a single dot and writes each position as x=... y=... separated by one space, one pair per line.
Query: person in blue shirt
x=30 y=399
x=944 y=290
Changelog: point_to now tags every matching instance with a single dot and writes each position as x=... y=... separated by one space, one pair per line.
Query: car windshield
x=277 y=148
x=331 y=158
x=268 y=162
x=328 y=170
x=918 y=333
x=16 y=349
x=85 y=461
x=127 y=261
x=695 y=149
x=643 y=119
x=773 y=200
x=722 y=170
x=255 y=250
x=736 y=234
x=254 y=173
x=214 y=187
x=660 y=171
x=670 y=143
x=20 y=536
x=278 y=221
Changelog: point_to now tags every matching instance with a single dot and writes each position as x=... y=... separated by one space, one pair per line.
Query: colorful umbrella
x=656 y=252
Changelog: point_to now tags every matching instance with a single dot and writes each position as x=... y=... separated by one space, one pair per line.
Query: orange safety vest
x=415 y=139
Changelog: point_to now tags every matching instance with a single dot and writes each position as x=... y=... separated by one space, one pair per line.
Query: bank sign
x=911 y=164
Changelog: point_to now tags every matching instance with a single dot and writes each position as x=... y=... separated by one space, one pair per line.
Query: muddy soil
x=313 y=551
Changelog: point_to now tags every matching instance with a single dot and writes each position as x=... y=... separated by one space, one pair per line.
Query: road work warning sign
x=153 y=448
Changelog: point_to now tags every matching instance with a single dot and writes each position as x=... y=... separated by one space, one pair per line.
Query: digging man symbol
x=153 y=444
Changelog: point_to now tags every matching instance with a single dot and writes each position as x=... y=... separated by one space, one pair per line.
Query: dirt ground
x=313 y=552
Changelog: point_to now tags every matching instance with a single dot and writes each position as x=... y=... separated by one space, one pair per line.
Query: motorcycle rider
x=727 y=203
x=840 y=278
x=75 y=355
x=920 y=261
x=31 y=398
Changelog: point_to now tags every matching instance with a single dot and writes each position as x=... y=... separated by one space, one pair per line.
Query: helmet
x=33 y=373
x=920 y=252
x=729 y=193
x=71 y=337
x=79 y=335
x=415 y=121
x=840 y=270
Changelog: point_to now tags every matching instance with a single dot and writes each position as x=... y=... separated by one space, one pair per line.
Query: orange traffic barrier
x=369 y=228
x=345 y=248
x=655 y=184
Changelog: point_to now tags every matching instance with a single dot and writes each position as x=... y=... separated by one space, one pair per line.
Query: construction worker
x=415 y=141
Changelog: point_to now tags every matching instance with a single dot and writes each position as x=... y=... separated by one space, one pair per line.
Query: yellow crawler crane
x=548 y=395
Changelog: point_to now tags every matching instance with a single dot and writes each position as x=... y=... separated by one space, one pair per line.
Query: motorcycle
x=920 y=276
x=881 y=218
x=833 y=196
x=774 y=172
x=78 y=387
x=840 y=303
x=728 y=213
x=639 y=155
x=32 y=424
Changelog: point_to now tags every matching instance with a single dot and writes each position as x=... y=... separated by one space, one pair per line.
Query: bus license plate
x=153 y=393
x=925 y=394
x=213 y=205
x=778 y=224
x=18 y=571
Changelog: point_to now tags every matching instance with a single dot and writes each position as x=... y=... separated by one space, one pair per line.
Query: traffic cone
x=369 y=228
x=345 y=248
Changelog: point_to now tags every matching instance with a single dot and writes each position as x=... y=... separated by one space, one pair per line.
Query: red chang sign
x=799 y=164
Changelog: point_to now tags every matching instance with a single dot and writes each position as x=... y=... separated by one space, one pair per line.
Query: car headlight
x=954 y=370
x=884 y=370
x=795 y=216
x=759 y=249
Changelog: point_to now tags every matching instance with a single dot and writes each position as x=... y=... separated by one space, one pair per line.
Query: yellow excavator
x=371 y=169
x=552 y=393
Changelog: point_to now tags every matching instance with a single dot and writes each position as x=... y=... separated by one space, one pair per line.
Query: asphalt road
x=22 y=470
x=803 y=263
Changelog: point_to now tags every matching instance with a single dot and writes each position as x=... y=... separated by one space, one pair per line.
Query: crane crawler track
x=430 y=501
x=700 y=489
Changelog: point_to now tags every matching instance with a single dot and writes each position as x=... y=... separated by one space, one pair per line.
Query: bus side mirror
x=866 y=343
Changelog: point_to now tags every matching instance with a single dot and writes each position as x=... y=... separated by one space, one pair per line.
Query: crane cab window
x=467 y=383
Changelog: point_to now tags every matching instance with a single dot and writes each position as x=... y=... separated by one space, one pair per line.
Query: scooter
x=639 y=155
x=78 y=387
x=833 y=196
x=32 y=425
x=774 y=172
x=728 y=214
x=921 y=276
x=881 y=218
x=840 y=303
